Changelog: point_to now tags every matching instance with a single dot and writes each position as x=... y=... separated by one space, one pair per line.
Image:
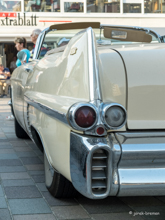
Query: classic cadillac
x=93 y=101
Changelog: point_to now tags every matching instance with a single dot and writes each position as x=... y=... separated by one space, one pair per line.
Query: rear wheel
x=57 y=184
x=19 y=131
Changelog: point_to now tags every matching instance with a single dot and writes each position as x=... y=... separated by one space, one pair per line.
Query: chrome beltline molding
x=47 y=110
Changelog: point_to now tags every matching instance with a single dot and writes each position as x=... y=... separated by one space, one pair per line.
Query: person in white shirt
x=34 y=35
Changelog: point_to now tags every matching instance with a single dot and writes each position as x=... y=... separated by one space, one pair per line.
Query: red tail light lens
x=100 y=130
x=85 y=117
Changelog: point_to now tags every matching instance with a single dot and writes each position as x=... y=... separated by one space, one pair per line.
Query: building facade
x=19 y=18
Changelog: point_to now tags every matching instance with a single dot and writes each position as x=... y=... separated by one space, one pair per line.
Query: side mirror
x=22 y=56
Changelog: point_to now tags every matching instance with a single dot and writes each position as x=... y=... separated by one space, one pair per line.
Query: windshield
x=104 y=36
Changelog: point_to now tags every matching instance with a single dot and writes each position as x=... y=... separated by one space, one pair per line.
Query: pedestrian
x=21 y=44
x=4 y=80
x=34 y=35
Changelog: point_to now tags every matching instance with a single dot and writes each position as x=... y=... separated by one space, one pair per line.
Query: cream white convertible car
x=93 y=101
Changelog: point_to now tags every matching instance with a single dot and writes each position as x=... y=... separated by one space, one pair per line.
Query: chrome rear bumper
x=142 y=165
x=122 y=164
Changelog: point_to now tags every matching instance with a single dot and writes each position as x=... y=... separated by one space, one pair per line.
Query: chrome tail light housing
x=114 y=115
x=83 y=116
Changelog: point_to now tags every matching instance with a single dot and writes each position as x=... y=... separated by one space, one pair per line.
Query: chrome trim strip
x=136 y=134
x=47 y=110
x=94 y=84
x=81 y=152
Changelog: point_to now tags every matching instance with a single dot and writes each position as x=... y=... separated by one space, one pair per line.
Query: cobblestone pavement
x=23 y=195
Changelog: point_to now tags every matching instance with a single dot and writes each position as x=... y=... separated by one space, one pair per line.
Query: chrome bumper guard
x=124 y=164
x=93 y=163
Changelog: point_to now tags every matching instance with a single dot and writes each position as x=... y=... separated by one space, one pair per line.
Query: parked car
x=95 y=107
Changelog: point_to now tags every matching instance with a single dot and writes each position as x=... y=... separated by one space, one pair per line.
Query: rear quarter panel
x=58 y=81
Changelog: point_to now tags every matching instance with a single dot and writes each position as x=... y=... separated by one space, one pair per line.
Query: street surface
x=23 y=195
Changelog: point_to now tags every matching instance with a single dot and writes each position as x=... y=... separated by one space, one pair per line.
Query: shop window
x=154 y=6
x=131 y=8
x=42 y=5
x=73 y=7
x=103 y=6
x=10 y=6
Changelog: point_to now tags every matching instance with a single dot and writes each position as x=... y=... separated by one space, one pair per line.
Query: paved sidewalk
x=23 y=195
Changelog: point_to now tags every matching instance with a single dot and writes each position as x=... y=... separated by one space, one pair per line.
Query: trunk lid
x=145 y=70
